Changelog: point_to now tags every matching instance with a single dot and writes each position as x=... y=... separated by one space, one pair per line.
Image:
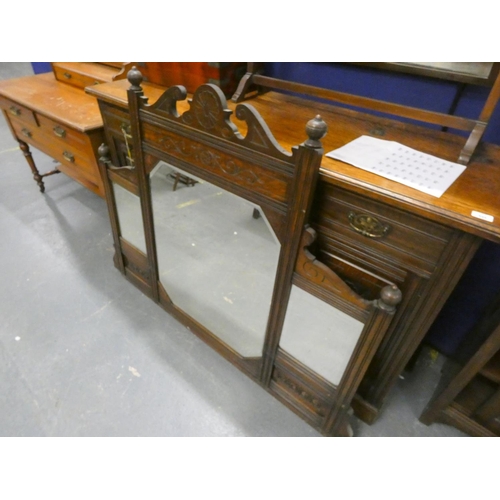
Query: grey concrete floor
x=84 y=353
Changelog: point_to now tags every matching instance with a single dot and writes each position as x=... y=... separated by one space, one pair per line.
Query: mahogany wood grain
x=475 y=190
x=203 y=141
x=439 y=235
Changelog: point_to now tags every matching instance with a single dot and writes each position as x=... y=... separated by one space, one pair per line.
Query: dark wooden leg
x=36 y=174
x=177 y=177
x=183 y=179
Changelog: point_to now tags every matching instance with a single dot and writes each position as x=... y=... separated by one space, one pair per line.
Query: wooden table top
x=477 y=189
x=56 y=100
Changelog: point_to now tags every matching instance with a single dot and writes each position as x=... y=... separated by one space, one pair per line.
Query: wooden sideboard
x=424 y=253
x=52 y=113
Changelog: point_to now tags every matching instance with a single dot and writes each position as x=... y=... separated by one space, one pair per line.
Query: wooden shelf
x=492 y=369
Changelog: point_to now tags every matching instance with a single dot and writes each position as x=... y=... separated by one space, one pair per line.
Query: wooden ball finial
x=390 y=297
x=134 y=76
x=103 y=150
x=316 y=129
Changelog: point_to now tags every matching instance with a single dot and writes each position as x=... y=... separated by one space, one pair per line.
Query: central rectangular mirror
x=217 y=257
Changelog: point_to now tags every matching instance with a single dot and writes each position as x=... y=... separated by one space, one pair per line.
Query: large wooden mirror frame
x=246 y=161
x=254 y=80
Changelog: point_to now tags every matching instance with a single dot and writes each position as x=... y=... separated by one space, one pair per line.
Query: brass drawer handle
x=14 y=111
x=59 y=131
x=67 y=75
x=26 y=132
x=368 y=225
x=69 y=156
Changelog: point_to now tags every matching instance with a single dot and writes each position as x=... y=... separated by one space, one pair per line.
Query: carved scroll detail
x=167 y=103
x=208 y=112
x=259 y=136
x=309 y=267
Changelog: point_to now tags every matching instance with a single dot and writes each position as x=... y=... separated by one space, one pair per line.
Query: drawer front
x=85 y=180
x=74 y=78
x=382 y=232
x=27 y=132
x=74 y=159
x=61 y=134
x=16 y=112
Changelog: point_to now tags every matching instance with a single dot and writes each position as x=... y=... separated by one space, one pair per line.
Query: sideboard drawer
x=27 y=132
x=60 y=133
x=382 y=231
x=69 y=75
x=73 y=149
x=74 y=160
x=17 y=112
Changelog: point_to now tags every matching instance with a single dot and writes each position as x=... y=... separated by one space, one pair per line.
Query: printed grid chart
x=399 y=163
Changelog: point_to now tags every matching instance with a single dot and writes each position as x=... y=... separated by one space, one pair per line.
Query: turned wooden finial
x=316 y=129
x=103 y=151
x=390 y=297
x=134 y=76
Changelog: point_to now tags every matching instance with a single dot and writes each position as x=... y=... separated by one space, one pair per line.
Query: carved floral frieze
x=273 y=185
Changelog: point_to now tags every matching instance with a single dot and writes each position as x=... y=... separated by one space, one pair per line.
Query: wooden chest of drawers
x=52 y=113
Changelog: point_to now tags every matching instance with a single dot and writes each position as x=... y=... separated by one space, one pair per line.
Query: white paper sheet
x=400 y=163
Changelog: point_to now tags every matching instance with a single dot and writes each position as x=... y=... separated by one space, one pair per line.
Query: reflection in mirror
x=217 y=257
x=319 y=335
x=128 y=206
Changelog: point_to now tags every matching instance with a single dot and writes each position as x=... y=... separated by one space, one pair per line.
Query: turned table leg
x=36 y=174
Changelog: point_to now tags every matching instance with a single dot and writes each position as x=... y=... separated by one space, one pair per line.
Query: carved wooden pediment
x=208 y=112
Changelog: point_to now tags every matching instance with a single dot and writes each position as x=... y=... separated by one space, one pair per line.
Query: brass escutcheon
x=14 y=111
x=368 y=225
x=26 y=132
